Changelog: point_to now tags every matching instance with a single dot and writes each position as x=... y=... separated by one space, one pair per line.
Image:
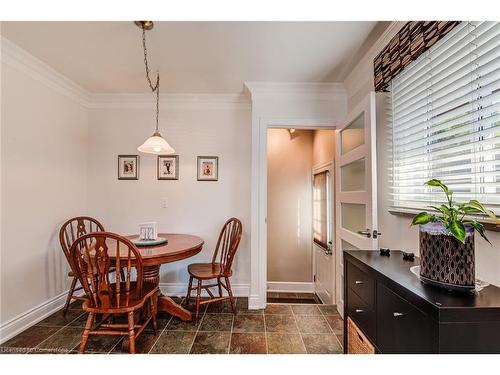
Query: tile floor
x=279 y=329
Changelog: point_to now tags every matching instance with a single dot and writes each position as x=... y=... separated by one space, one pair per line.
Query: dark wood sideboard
x=399 y=314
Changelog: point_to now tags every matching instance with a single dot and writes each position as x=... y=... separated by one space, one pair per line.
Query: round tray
x=479 y=284
x=159 y=241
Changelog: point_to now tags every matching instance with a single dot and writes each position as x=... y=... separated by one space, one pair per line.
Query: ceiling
x=193 y=57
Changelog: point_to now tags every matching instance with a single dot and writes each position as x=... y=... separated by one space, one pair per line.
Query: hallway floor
x=279 y=329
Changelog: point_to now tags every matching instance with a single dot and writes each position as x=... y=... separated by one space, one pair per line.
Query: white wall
x=396 y=230
x=289 y=205
x=323 y=146
x=195 y=207
x=44 y=167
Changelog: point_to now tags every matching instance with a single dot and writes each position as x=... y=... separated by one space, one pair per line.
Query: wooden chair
x=93 y=255
x=220 y=267
x=70 y=231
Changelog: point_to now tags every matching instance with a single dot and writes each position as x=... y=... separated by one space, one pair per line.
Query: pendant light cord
x=154 y=88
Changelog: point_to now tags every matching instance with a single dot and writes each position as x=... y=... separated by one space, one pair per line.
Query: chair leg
x=152 y=305
x=70 y=295
x=85 y=336
x=198 y=300
x=131 y=332
x=190 y=285
x=230 y=292
x=220 y=287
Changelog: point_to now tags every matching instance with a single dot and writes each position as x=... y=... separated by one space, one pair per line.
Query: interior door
x=324 y=263
x=356 y=184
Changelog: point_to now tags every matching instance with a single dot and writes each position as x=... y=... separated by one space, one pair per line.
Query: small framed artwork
x=168 y=167
x=208 y=168
x=128 y=167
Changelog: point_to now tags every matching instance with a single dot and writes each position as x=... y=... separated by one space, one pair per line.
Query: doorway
x=300 y=216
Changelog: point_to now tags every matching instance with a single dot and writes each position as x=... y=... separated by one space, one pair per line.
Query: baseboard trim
x=180 y=289
x=292 y=286
x=29 y=318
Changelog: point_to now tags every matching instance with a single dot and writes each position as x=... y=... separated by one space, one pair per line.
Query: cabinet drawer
x=362 y=284
x=361 y=313
x=401 y=327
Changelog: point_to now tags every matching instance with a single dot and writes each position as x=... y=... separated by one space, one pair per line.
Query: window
x=321 y=202
x=445 y=115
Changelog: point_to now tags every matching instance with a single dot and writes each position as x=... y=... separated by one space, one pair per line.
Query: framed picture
x=128 y=167
x=168 y=167
x=208 y=168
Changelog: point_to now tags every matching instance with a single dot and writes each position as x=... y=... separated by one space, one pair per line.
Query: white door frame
x=328 y=166
x=258 y=256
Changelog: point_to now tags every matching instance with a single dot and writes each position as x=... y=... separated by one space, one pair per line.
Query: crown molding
x=20 y=59
x=296 y=90
x=147 y=100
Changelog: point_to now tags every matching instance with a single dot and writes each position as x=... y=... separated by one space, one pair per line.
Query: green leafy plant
x=453 y=214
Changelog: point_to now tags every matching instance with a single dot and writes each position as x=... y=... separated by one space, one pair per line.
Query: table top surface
x=179 y=246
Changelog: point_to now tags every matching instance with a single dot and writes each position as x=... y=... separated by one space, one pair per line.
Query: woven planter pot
x=445 y=261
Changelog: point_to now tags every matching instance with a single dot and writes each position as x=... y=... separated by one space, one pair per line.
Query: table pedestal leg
x=166 y=304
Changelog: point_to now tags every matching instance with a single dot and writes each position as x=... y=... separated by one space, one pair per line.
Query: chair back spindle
x=227 y=244
x=93 y=255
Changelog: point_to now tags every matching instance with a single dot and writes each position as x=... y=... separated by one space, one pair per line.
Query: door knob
x=366 y=233
x=376 y=233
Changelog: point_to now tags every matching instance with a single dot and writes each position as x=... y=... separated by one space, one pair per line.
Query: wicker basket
x=357 y=343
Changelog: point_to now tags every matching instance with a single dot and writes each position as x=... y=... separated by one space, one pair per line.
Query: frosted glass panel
x=352 y=176
x=353 y=135
x=353 y=216
x=348 y=246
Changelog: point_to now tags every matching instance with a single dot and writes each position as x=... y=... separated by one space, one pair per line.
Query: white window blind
x=320 y=208
x=445 y=120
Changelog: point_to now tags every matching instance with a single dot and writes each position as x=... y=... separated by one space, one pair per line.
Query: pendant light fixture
x=155 y=144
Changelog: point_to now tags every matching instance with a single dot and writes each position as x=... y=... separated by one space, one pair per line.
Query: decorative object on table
x=155 y=144
x=208 y=168
x=168 y=167
x=447 y=241
x=408 y=256
x=218 y=269
x=385 y=251
x=124 y=296
x=148 y=231
x=142 y=243
x=128 y=167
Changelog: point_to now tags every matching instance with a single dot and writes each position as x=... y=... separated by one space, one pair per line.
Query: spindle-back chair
x=93 y=255
x=219 y=268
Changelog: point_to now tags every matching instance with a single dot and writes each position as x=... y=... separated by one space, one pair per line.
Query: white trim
x=290 y=286
x=23 y=61
x=29 y=318
x=180 y=289
x=297 y=90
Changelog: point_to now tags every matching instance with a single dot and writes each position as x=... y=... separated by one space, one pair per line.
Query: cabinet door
x=401 y=327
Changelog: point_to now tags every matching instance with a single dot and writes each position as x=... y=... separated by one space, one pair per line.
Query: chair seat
x=126 y=302
x=207 y=271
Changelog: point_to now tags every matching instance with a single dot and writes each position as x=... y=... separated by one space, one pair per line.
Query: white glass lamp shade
x=156 y=144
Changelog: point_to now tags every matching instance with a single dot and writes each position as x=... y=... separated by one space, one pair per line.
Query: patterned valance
x=408 y=44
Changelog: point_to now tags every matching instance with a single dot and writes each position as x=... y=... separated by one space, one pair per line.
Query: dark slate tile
x=306 y=310
x=312 y=324
x=66 y=338
x=248 y=323
x=211 y=343
x=99 y=344
x=217 y=322
x=58 y=320
x=143 y=344
x=340 y=337
x=281 y=324
x=284 y=343
x=30 y=337
x=328 y=309
x=221 y=307
x=272 y=309
x=248 y=343
x=174 y=342
x=322 y=344
x=177 y=324
x=336 y=323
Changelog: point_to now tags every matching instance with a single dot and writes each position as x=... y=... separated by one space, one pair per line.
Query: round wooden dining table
x=178 y=247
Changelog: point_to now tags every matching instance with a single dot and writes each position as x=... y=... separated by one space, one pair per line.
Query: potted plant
x=447 y=241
